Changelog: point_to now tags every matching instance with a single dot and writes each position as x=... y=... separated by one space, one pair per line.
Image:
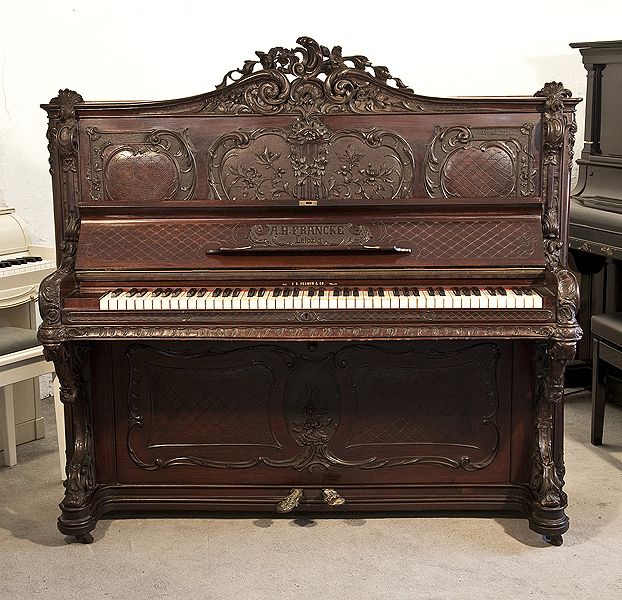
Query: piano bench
x=21 y=357
x=606 y=360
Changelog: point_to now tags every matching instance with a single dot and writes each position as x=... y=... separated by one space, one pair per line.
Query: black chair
x=607 y=360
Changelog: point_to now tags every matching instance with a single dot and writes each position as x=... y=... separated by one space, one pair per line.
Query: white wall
x=152 y=49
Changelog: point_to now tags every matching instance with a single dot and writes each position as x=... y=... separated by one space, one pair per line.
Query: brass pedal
x=332 y=498
x=290 y=502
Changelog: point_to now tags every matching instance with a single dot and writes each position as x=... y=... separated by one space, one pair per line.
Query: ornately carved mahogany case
x=306 y=169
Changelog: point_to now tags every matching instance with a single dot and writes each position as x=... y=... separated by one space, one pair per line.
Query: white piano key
x=104 y=301
x=537 y=299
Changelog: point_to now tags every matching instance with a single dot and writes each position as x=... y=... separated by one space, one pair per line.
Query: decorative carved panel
x=310 y=162
x=480 y=162
x=141 y=167
x=457 y=240
x=361 y=406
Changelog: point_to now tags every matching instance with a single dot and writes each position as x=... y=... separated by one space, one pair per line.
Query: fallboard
x=508 y=235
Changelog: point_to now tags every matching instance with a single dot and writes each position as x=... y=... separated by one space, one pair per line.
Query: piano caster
x=290 y=502
x=84 y=538
x=332 y=498
x=554 y=540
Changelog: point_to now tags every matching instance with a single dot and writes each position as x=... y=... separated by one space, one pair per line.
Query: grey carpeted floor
x=362 y=558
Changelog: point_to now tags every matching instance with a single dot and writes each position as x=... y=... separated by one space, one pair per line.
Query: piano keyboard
x=24 y=264
x=319 y=298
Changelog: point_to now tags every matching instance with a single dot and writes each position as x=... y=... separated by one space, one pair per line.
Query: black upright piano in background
x=595 y=233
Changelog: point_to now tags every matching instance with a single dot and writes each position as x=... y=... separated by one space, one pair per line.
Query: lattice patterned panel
x=147 y=242
x=479 y=173
x=404 y=405
x=480 y=162
x=209 y=406
x=140 y=176
x=464 y=239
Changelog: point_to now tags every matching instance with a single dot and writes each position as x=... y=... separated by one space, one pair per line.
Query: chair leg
x=598 y=397
x=7 y=422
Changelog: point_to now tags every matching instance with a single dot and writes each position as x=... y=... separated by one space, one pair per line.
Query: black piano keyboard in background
x=312 y=298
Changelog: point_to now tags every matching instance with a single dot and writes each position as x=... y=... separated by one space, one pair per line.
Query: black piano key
x=371 y=292
x=527 y=292
x=518 y=292
x=476 y=291
x=381 y=292
x=143 y=292
x=117 y=292
x=336 y=292
x=396 y=291
x=414 y=291
x=217 y=292
x=236 y=292
x=252 y=292
x=296 y=292
x=405 y=292
x=201 y=292
x=311 y=292
x=177 y=292
x=167 y=292
x=157 y=292
x=192 y=292
x=491 y=291
x=262 y=292
x=501 y=291
x=355 y=292
x=277 y=292
x=227 y=292
x=287 y=292
x=132 y=292
x=440 y=292
x=320 y=292
x=465 y=291
x=456 y=291
x=346 y=292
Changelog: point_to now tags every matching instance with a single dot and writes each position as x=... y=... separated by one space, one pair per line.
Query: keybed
x=320 y=298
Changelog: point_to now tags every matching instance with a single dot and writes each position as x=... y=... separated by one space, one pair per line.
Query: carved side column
x=548 y=499
x=71 y=360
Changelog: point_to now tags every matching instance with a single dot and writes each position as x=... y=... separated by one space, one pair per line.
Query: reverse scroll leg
x=549 y=503
x=71 y=361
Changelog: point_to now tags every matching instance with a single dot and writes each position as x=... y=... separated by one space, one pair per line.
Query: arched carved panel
x=471 y=162
x=310 y=162
x=141 y=167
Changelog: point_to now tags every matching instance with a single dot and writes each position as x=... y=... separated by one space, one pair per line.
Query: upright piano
x=312 y=290
x=595 y=233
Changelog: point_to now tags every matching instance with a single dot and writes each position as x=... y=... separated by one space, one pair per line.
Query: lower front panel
x=388 y=425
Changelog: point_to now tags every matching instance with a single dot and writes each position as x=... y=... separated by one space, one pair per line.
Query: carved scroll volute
x=308 y=80
x=70 y=361
x=558 y=130
x=63 y=148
